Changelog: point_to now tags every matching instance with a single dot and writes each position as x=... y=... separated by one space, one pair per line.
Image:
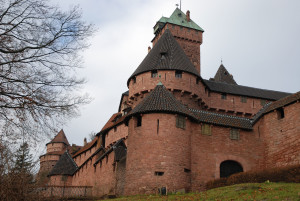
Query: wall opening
x=280 y=113
x=229 y=167
x=157 y=173
x=139 y=121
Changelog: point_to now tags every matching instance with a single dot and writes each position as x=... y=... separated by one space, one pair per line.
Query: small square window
x=224 y=96
x=180 y=121
x=154 y=73
x=243 y=99
x=206 y=129
x=178 y=74
x=234 y=134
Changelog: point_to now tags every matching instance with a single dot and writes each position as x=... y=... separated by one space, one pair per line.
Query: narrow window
x=178 y=74
x=154 y=73
x=157 y=126
x=180 y=121
x=157 y=173
x=224 y=96
x=139 y=121
x=197 y=81
x=206 y=129
x=280 y=113
x=234 y=134
x=134 y=80
x=243 y=99
x=115 y=129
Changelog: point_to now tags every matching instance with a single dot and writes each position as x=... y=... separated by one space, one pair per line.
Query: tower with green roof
x=187 y=33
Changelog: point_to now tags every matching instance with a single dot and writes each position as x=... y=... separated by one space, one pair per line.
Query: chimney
x=149 y=49
x=188 y=18
x=84 y=141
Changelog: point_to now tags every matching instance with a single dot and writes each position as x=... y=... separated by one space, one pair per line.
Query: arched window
x=229 y=167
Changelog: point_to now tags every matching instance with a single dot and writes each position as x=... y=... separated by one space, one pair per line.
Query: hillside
x=250 y=191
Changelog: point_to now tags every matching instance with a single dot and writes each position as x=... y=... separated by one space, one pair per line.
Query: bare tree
x=39 y=47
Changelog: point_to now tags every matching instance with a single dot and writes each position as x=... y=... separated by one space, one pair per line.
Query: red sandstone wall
x=208 y=152
x=101 y=177
x=282 y=137
x=115 y=134
x=55 y=147
x=81 y=158
x=167 y=151
x=233 y=104
x=60 y=180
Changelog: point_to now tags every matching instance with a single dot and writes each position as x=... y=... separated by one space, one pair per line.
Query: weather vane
x=178 y=5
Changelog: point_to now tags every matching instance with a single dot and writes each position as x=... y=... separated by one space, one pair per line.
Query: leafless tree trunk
x=39 y=47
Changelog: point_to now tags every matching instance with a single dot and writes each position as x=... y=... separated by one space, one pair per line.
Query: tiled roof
x=60 y=138
x=179 y=18
x=244 y=91
x=86 y=147
x=224 y=76
x=161 y=100
x=222 y=120
x=284 y=101
x=166 y=55
x=126 y=93
x=64 y=166
x=114 y=120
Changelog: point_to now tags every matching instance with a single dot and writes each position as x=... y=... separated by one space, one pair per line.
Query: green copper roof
x=179 y=18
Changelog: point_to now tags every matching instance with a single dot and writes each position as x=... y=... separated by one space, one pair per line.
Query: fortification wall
x=209 y=151
x=282 y=137
x=157 y=155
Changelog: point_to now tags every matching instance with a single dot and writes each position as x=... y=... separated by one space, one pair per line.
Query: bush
x=289 y=174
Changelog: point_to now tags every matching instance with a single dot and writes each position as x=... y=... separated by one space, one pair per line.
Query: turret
x=187 y=33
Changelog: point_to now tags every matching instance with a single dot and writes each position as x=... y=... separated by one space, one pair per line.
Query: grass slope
x=250 y=191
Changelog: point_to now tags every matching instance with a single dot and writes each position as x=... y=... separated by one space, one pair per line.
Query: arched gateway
x=229 y=167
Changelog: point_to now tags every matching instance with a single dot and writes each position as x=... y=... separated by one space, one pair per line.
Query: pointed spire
x=60 y=138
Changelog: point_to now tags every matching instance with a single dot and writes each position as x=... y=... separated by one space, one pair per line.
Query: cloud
x=257 y=40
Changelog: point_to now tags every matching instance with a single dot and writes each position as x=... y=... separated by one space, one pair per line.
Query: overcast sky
x=259 y=42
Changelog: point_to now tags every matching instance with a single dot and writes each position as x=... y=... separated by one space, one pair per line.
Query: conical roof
x=160 y=100
x=224 y=76
x=60 y=138
x=64 y=166
x=166 y=55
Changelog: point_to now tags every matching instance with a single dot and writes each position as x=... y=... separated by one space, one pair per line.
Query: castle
x=177 y=130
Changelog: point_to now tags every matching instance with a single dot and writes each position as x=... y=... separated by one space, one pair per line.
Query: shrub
x=289 y=174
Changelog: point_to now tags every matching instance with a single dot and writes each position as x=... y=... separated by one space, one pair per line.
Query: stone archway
x=230 y=167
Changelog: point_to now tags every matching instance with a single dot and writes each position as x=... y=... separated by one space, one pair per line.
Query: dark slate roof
x=126 y=93
x=224 y=76
x=283 y=102
x=119 y=153
x=60 y=138
x=174 y=57
x=64 y=166
x=222 y=120
x=244 y=91
x=161 y=100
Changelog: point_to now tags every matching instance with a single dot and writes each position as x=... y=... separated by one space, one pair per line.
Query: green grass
x=250 y=191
